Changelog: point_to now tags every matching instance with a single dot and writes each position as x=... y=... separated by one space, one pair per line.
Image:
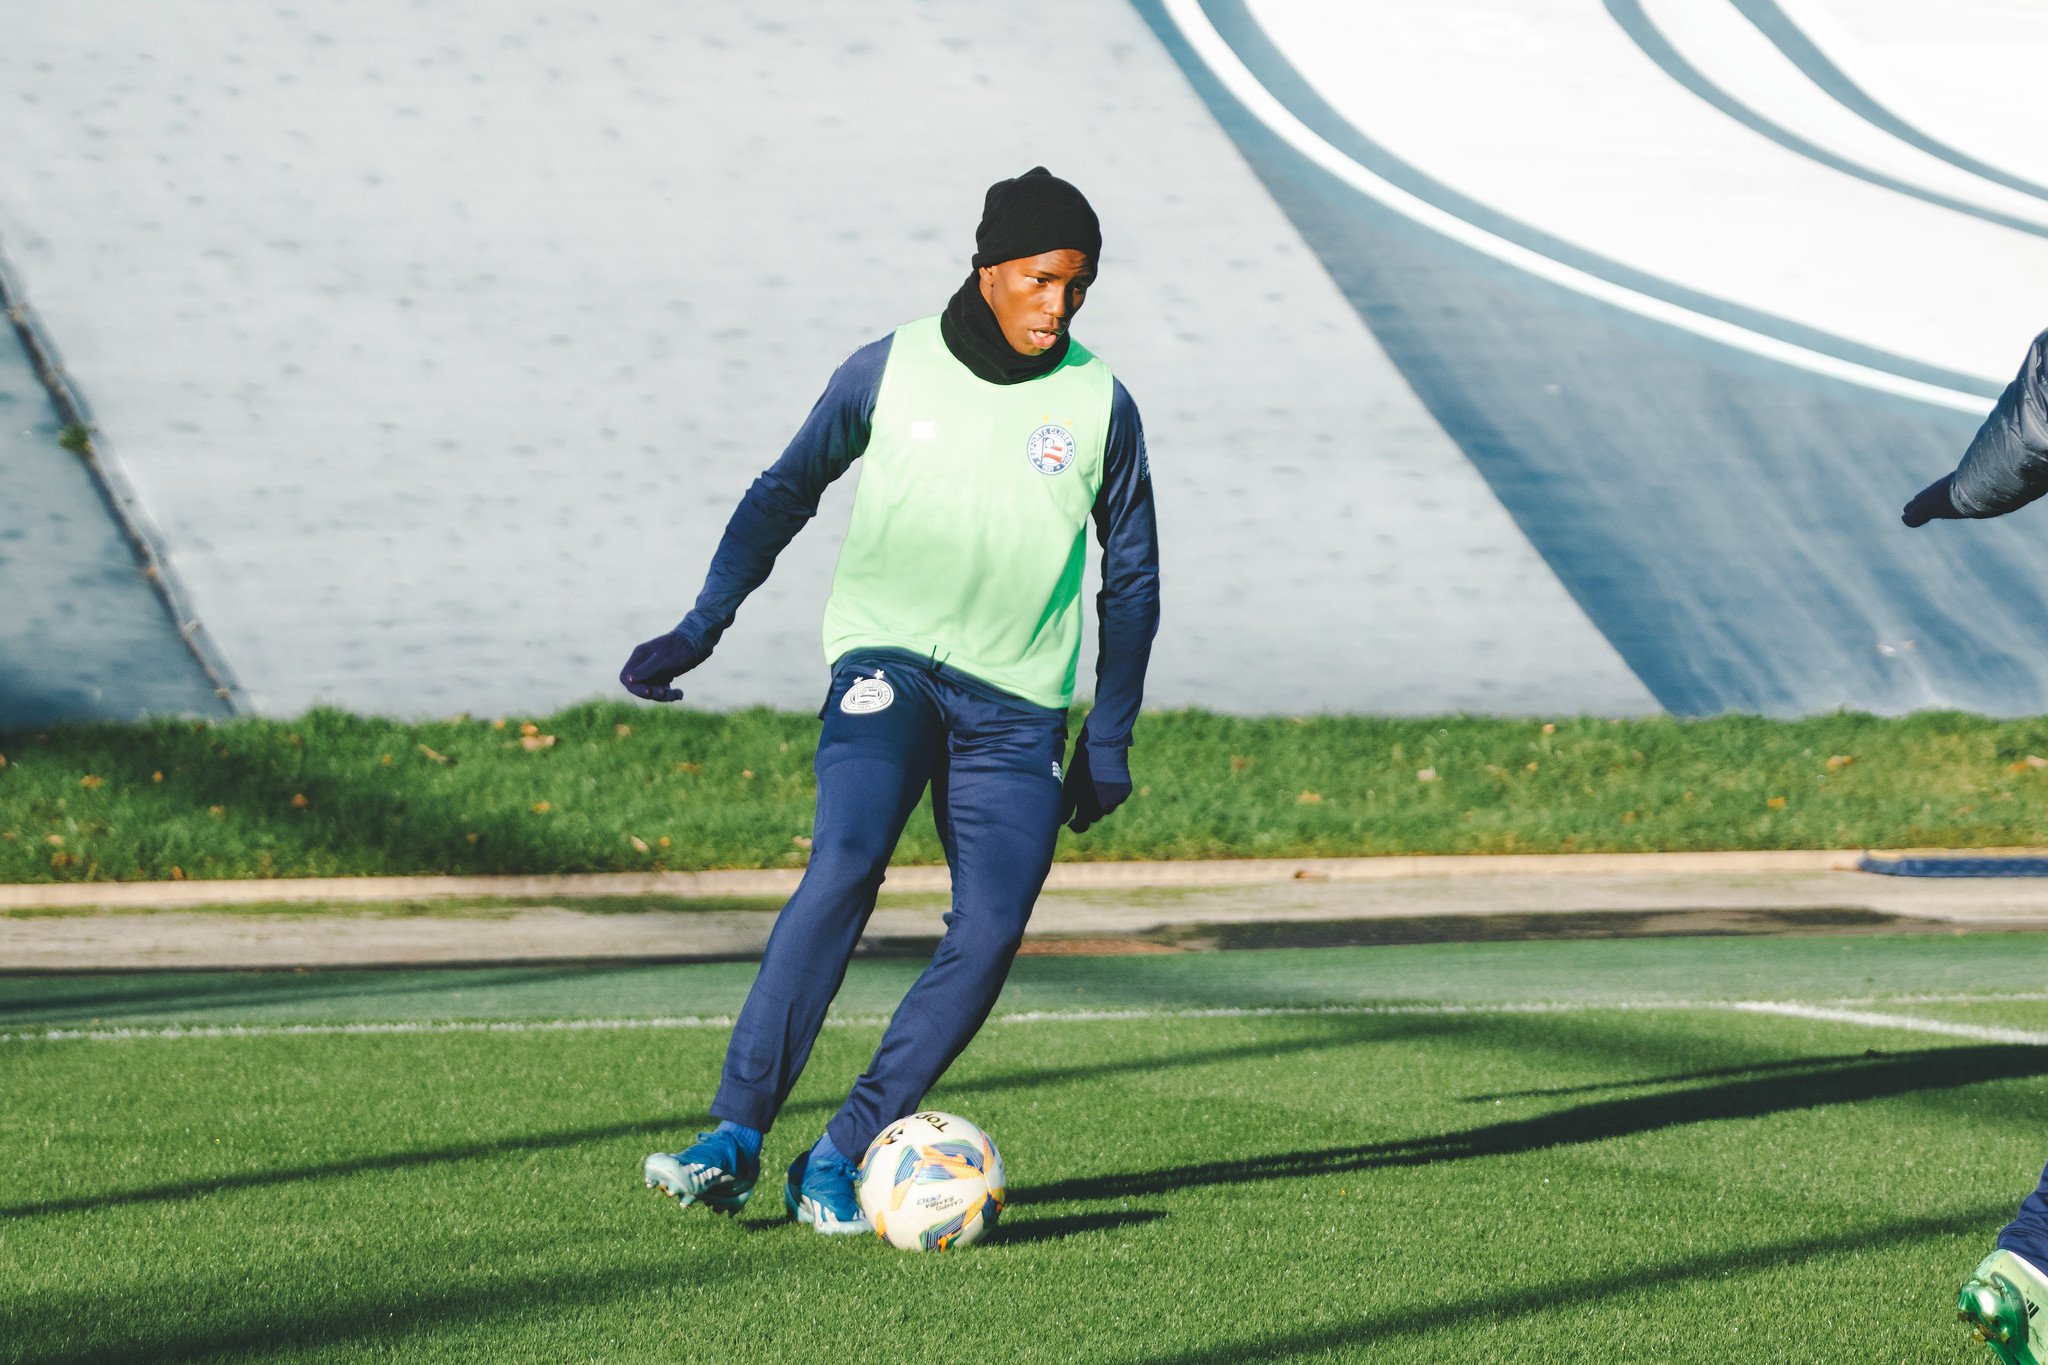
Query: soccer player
x=2006 y=467
x=988 y=439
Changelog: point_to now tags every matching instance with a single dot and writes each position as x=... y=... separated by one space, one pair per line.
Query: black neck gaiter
x=971 y=334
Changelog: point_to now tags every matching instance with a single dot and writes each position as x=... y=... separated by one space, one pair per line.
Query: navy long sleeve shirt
x=788 y=492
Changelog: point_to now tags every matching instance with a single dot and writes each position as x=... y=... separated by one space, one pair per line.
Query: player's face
x=1035 y=297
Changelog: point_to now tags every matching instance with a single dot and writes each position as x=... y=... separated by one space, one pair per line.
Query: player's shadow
x=1451 y=1319
x=1852 y=1082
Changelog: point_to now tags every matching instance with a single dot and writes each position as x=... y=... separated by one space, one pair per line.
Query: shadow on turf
x=1350 y=1033
x=360 y=815
x=391 y=1161
x=1450 y=1317
x=397 y=1327
x=381 y=1326
x=1338 y=1032
x=1009 y=1233
x=1710 y=1074
x=242 y=990
x=1887 y=1077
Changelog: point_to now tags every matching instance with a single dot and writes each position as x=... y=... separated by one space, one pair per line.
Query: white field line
x=1221 y=60
x=1792 y=1009
x=1832 y=1011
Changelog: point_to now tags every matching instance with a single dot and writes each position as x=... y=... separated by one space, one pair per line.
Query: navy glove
x=1931 y=503
x=657 y=663
x=1087 y=795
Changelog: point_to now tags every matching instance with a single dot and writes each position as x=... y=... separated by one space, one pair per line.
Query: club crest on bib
x=867 y=696
x=1050 y=449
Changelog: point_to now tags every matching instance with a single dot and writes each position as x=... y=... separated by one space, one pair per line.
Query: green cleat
x=2001 y=1304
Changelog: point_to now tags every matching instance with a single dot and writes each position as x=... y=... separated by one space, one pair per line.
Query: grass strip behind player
x=619 y=787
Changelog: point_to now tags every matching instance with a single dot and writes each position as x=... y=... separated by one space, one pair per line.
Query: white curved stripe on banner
x=1913 y=58
x=1202 y=36
x=1735 y=55
x=1556 y=120
x=1559 y=121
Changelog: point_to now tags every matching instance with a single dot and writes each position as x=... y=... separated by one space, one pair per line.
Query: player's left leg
x=873 y=764
x=2005 y=1302
x=997 y=802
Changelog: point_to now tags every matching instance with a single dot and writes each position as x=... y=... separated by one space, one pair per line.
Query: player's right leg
x=875 y=756
x=2005 y=1302
x=997 y=803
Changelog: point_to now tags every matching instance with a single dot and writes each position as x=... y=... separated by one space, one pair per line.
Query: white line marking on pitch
x=1793 y=1009
x=1827 y=1011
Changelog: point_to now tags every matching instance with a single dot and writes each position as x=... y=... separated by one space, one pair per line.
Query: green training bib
x=969 y=531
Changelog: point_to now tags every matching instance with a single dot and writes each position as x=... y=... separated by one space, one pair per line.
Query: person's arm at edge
x=774 y=509
x=787 y=493
x=2006 y=465
x=1127 y=609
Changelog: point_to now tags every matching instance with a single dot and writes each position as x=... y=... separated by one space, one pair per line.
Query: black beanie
x=1031 y=215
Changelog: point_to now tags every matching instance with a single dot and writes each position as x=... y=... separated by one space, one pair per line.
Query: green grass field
x=619 y=787
x=1421 y=1164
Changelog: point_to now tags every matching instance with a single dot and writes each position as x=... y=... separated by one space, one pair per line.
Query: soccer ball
x=931 y=1182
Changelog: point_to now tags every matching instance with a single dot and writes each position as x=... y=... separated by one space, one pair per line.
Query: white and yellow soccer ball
x=931 y=1182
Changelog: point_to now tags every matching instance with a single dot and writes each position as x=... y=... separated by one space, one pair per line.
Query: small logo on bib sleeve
x=1050 y=449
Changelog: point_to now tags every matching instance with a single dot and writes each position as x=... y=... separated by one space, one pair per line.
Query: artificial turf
x=1598 y=1182
x=617 y=787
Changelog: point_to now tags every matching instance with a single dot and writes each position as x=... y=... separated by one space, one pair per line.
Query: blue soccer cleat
x=820 y=1192
x=2003 y=1304
x=714 y=1171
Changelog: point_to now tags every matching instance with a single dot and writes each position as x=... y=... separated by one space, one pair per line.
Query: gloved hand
x=657 y=662
x=1931 y=503
x=1089 y=794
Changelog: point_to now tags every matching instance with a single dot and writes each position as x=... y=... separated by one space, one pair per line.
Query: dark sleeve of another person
x=2006 y=466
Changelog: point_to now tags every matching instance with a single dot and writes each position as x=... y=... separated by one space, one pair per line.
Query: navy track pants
x=892 y=727
x=2027 y=1235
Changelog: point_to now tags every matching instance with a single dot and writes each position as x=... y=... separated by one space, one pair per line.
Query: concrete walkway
x=1087 y=907
x=781 y=881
